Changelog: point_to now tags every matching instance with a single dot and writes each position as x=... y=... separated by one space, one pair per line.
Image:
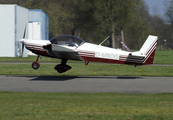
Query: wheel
x=35 y=65
x=62 y=68
x=60 y=71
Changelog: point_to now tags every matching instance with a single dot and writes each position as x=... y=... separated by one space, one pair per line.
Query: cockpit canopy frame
x=68 y=40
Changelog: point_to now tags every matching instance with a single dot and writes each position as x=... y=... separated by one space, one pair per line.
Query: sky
x=156 y=4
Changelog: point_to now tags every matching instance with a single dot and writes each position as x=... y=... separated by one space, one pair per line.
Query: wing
x=62 y=52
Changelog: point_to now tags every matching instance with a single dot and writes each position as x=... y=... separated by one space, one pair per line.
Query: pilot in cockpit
x=71 y=43
x=71 y=40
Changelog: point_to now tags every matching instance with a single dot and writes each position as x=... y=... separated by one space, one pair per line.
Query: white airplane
x=69 y=47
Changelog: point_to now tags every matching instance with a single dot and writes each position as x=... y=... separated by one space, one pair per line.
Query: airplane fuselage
x=63 y=47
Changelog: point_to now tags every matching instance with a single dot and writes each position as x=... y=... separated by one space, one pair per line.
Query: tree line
x=94 y=20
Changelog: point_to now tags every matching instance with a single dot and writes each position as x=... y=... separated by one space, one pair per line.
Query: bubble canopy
x=68 y=40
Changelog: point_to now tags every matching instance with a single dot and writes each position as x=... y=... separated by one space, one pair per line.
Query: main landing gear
x=63 y=67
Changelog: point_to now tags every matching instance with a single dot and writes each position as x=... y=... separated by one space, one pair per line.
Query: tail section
x=145 y=55
x=148 y=49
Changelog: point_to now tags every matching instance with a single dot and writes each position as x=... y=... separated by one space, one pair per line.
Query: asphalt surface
x=86 y=84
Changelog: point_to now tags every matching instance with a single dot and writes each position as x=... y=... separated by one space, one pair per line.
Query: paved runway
x=86 y=84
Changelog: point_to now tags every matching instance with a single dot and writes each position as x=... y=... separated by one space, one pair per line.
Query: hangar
x=14 y=22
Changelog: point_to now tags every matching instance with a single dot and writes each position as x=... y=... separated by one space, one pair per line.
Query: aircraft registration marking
x=107 y=55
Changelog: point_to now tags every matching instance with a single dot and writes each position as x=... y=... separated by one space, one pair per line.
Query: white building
x=14 y=19
x=38 y=26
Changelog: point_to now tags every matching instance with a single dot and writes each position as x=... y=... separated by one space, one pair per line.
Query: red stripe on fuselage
x=37 y=50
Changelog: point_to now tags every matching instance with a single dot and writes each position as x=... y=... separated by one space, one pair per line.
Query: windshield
x=68 y=40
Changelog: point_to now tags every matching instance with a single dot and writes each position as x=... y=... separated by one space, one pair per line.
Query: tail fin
x=148 y=49
x=145 y=55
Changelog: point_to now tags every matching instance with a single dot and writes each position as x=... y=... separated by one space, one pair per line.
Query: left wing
x=62 y=52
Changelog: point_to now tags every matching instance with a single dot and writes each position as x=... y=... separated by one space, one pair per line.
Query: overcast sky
x=159 y=5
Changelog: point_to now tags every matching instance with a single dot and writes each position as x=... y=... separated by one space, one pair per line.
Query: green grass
x=90 y=70
x=85 y=106
x=163 y=57
x=93 y=69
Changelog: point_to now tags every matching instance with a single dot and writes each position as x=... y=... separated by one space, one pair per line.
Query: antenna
x=104 y=40
x=118 y=38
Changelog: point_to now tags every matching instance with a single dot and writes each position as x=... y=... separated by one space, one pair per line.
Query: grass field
x=163 y=57
x=93 y=69
x=85 y=106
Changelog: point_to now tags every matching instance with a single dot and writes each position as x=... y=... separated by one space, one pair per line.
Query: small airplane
x=69 y=47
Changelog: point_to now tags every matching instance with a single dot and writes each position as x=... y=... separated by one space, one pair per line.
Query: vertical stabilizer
x=148 y=49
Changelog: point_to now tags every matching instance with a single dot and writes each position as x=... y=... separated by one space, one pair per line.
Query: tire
x=62 y=68
x=60 y=71
x=35 y=65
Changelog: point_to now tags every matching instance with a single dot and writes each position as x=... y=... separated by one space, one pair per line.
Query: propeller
x=21 y=50
x=22 y=41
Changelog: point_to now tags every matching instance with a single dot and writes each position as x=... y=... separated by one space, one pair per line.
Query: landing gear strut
x=36 y=65
x=63 y=67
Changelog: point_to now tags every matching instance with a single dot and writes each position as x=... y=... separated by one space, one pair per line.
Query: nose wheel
x=36 y=65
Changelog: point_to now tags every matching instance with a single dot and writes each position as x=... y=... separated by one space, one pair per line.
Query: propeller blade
x=22 y=49
x=24 y=32
x=22 y=41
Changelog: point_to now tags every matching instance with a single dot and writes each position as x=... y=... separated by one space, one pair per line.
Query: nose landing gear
x=36 y=65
